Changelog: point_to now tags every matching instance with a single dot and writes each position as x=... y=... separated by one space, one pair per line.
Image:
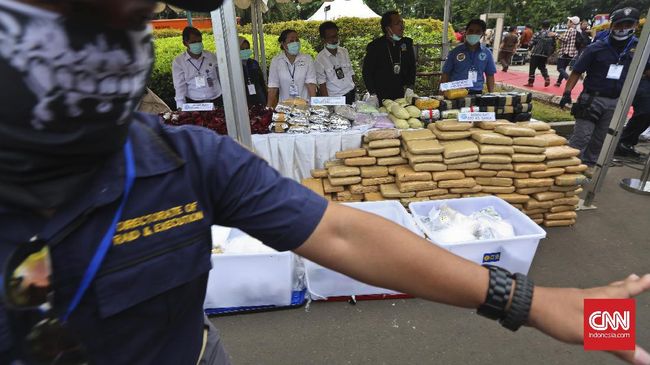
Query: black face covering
x=68 y=95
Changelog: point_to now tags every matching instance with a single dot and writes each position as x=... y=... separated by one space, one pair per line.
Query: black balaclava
x=68 y=92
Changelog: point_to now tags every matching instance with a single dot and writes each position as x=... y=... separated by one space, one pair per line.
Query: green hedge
x=167 y=48
x=354 y=33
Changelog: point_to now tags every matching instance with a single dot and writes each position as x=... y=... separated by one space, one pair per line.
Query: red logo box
x=609 y=324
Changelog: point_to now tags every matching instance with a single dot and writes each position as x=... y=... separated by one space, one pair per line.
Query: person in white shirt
x=333 y=67
x=195 y=75
x=292 y=74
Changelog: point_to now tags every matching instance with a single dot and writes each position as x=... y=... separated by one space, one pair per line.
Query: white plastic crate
x=513 y=254
x=248 y=280
x=323 y=283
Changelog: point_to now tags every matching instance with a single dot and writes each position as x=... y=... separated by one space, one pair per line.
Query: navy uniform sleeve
x=584 y=61
x=448 y=66
x=250 y=195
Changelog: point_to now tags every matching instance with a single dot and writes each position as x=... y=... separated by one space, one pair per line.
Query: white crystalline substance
x=449 y=226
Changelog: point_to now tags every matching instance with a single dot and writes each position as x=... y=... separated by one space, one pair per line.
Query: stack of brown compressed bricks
x=526 y=164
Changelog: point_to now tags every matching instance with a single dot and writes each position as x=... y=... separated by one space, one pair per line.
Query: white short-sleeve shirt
x=326 y=65
x=281 y=70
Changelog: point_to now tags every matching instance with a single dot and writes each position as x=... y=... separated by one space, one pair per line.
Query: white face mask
x=622 y=34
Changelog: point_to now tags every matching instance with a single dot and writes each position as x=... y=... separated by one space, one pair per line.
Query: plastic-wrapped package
x=298 y=121
x=383 y=122
x=300 y=111
x=346 y=111
x=279 y=117
x=363 y=107
x=245 y=245
x=278 y=127
x=337 y=119
x=430 y=114
x=364 y=119
x=318 y=127
x=371 y=99
x=449 y=226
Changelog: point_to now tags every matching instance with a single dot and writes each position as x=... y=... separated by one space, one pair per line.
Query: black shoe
x=626 y=150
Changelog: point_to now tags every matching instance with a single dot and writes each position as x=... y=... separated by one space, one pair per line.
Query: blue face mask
x=332 y=46
x=395 y=37
x=245 y=54
x=473 y=39
x=293 y=48
x=196 y=48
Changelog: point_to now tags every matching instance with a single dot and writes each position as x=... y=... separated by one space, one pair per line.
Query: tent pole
x=231 y=73
x=189 y=18
x=254 y=33
x=260 y=30
x=637 y=68
x=445 y=32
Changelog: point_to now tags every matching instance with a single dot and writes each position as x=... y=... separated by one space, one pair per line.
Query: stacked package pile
x=526 y=164
x=297 y=116
x=511 y=106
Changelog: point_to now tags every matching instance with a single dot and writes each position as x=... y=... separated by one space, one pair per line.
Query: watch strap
x=522 y=299
x=500 y=286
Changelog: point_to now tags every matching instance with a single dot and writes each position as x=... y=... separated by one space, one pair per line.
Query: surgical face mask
x=293 y=48
x=245 y=54
x=196 y=48
x=473 y=39
x=332 y=46
x=74 y=89
x=622 y=34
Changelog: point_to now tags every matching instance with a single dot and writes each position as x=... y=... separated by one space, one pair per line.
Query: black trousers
x=562 y=64
x=351 y=96
x=537 y=62
x=634 y=128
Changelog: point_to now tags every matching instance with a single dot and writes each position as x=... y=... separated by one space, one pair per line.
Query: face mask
x=332 y=46
x=293 y=48
x=245 y=54
x=196 y=48
x=622 y=34
x=72 y=96
x=473 y=39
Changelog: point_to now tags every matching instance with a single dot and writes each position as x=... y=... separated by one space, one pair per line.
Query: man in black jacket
x=541 y=47
x=389 y=65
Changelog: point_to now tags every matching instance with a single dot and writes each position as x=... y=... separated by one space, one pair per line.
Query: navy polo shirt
x=596 y=59
x=146 y=304
x=461 y=60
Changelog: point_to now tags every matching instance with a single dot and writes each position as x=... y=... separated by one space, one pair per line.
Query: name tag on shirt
x=200 y=81
x=615 y=72
x=251 y=89
x=293 y=90
x=472 y=76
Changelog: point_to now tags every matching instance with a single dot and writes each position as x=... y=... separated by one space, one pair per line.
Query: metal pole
x=630 y=86
x=231 y=73
x=189 y=18
x=260 y=29
x=254 y=33
x=498 y=31
x=445 y=33
x=640 y=185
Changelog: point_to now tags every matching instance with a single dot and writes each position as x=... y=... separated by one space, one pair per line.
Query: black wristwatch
x=499 y=290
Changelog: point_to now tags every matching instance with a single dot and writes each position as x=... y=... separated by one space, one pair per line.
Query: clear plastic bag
x=371 y=100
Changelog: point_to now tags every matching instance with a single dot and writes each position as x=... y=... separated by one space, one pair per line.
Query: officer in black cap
x=606 y=63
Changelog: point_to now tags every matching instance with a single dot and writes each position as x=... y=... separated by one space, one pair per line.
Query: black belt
x=602 y=94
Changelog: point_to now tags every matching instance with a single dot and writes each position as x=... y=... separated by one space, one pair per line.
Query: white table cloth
x=294 y=155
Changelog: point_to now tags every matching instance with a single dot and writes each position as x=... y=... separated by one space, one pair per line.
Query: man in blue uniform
x=606 y=63
x=471 y=60
x=105 y=214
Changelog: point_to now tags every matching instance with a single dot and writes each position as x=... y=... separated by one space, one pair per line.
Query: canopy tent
x=343 y=8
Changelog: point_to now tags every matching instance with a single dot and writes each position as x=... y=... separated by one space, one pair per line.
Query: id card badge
x=615 y=72
x=293 y=90
x=339 y=73
x=210 y=82
x=251 y=89
x=397 y=68
x=472 y=75
x=200 y=81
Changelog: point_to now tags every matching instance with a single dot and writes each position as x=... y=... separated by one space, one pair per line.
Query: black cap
x=203 y=6
x=624 y=15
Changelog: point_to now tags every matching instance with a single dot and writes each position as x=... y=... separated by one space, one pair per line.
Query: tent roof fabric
x=343 y=8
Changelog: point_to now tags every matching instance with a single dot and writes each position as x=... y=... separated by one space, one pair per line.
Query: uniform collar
x=188 y=57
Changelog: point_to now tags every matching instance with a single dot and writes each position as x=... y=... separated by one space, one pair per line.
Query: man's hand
x=566 y=99
x=559 y=312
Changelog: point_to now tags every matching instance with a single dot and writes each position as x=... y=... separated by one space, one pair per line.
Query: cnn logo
x=603 y=321
x=609 y=324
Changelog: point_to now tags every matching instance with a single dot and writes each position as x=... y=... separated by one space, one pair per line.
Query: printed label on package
x=460 y=84
x=477 y=117
x=328 y=100
x=197 y=107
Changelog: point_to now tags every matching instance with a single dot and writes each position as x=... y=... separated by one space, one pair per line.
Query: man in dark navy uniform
x=105 y=214
x=606 y=63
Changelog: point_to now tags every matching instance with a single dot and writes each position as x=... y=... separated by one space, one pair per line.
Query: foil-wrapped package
x=278 y=127
x=346 y=111
x=320 y=110
x=283 y=108
x=279 y=117
x=338 y=119
x=319 y=119
x=318 y=128
x=298 y=121
x=298 y=130
x=339 y=127
x=300 y=111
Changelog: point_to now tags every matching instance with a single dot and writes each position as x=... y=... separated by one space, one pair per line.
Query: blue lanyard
x=105 y=244
x=625 y=50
